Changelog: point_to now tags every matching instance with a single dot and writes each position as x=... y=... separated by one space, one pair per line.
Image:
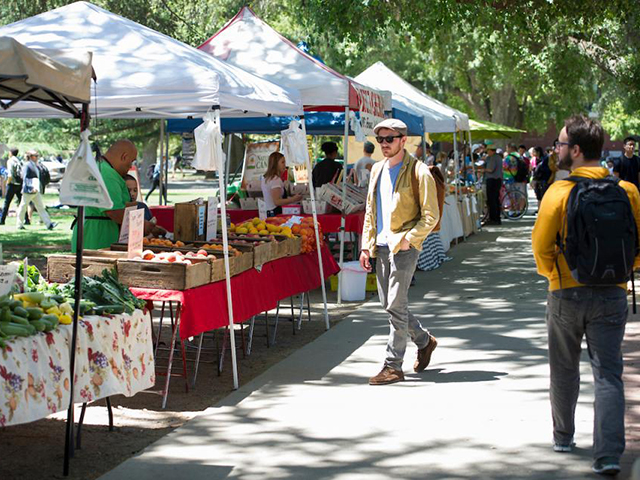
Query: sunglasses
x=388 y=139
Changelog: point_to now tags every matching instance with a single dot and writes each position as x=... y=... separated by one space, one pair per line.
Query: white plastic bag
x=208 y=136
x=293 y=144
x=356 y=127
x=82 y=184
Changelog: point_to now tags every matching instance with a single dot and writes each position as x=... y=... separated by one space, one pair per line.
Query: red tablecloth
x=205 y=308
x=330 y=222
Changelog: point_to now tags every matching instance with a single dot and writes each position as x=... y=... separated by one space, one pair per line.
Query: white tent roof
x=249 y=43
x=438 y=117
x=52 y=76
x=145 y=74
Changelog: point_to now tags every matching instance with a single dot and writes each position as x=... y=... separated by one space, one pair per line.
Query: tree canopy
x=524 y=63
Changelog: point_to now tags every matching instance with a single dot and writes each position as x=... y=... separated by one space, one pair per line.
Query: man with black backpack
x=585 y=242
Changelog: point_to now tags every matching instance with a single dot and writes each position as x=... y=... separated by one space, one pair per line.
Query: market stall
x=147 y=82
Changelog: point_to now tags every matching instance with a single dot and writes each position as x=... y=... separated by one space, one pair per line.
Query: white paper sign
x=136 y=233
x=202 y=216
x=262 y=209
x=212 y=218
x=294 y=220
x=7 y=277
x=124 y=228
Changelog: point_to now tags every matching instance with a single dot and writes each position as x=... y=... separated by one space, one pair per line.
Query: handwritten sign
x=262 y=209
x=124 y=229
x=7 y=277
x=212 y=218
x=294 y=220
x=136 y=233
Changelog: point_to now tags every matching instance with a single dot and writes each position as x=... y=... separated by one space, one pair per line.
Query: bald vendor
x=101 y=226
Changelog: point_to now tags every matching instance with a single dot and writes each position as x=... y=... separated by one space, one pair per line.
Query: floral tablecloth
x=114 y=356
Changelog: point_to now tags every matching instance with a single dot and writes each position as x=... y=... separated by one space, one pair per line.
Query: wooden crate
x=281 y=247
x=190 y=222
x=62 y=268
x=262 y=252
x=166 y=276
x=294 y=245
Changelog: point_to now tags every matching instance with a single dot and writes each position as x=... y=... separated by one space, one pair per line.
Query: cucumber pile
x=26 y=314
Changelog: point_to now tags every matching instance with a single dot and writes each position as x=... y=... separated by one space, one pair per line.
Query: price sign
x=262 y=209
x=124 y=228
x=294 y=220
x=136 y=233
x=7 y=277
x=212 y=218
x=202 y=213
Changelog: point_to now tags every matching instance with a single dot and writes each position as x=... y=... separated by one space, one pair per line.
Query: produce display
x=101 y=294
x=162 y=242
x=273 y=226
x=25 y=314
x=304 y=230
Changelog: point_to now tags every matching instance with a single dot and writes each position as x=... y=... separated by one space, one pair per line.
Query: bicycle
x=513 y=203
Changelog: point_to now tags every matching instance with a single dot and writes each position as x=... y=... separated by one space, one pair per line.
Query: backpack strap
x=414 y=183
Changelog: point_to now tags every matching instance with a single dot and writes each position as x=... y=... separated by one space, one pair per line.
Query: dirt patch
x=35 y=451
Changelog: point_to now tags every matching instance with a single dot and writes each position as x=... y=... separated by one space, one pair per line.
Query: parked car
x=56 y=168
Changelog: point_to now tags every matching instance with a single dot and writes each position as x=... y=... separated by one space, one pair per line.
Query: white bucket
x=354 y=282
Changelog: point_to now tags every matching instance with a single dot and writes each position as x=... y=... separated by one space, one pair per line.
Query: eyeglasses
x=560 y=144
x=388 y=139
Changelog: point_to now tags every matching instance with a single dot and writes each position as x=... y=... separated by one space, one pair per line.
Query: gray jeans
x=394 y=274
x=600 y=313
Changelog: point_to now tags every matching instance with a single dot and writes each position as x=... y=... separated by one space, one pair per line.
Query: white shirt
x=268 y=186
x=386 y=197
x=361 y=170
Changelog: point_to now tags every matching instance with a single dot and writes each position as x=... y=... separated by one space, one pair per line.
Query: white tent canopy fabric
x=438 y=117
x=145 y=74
x=248 y=42
x=45 y=75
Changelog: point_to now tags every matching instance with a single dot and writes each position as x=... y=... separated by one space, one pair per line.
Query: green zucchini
x=21 y=312
x=14 y=329
x=39 y=325
x=35 y=313
x=5 y=314
x=15 y=304
x=20 y=320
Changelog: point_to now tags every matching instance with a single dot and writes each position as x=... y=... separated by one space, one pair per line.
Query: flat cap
x=392 y=124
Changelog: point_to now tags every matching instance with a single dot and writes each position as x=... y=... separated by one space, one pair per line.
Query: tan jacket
x=408 y=220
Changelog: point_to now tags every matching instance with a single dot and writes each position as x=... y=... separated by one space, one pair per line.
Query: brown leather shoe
x=386 y=376
x=424 y=355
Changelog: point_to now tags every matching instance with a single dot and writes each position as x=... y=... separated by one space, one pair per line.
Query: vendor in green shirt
x=102 y=226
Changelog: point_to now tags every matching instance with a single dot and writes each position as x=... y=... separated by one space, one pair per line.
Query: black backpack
x=601 y=234
x=522 y=173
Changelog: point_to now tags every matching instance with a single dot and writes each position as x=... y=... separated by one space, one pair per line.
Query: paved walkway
x=480 y=411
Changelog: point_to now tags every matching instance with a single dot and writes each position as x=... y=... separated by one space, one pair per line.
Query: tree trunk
x=149 y=157
x=505 y=108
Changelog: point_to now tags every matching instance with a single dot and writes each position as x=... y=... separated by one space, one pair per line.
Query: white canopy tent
x=248 y=42
x=145 y=74
x=438 y=117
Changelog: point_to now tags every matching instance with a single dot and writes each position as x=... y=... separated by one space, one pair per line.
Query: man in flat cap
x=402 y=209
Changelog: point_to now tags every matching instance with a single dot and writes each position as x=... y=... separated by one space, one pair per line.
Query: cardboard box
x=333 y=195
x=62 y=268
x=190 y=221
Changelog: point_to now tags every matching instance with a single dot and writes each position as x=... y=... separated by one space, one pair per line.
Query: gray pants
x=394 y=274
x=600 y=313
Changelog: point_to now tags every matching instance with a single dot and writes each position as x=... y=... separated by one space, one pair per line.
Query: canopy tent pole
x=228 y=162
x=69 y=436
x=166 y=150
x=315 y=227
x=225 y=245
x=345 y=152
x=456 y=168
x=161 y=185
